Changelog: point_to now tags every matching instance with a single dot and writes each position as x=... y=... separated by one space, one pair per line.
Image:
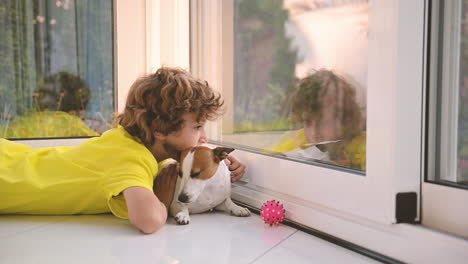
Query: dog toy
x=272 y=212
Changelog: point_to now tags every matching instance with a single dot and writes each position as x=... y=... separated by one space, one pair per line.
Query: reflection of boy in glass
x=60 y=101
x=64 y=92
x=333 y=124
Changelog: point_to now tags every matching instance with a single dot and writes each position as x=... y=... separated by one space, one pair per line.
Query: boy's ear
x=159 y=136
x=221 y=153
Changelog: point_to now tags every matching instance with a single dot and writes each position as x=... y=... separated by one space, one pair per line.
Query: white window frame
x=352 y=207
x=444 y=207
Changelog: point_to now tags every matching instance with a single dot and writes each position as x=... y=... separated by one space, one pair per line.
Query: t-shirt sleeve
x=115 y=197
x=121 y=179
x=141 y=176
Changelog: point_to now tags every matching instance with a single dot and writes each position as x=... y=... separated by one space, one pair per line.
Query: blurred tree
x=264 y=62
x=17 y=75
x=463 y=103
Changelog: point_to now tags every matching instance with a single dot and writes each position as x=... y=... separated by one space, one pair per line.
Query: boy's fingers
x=237 y=168
x=236 y=176
x=234 y=179
x=237 y=173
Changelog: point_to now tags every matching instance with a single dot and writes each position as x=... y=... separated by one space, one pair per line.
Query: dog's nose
x=183 y=198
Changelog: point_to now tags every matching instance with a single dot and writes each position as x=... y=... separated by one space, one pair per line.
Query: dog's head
x=198 y=165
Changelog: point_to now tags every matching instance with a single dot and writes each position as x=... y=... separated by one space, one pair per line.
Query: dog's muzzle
x=183 y=198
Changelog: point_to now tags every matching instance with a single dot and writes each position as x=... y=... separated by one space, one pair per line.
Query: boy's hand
x=165 y=183
x=236 y=167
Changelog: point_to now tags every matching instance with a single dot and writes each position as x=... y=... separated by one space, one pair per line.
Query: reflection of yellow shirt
x=87 y=179
x=293 y=141
x=289 y=141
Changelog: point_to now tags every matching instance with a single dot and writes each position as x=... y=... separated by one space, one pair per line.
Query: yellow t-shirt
x=87 y=179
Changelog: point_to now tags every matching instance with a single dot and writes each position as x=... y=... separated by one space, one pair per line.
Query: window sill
x=405 y=242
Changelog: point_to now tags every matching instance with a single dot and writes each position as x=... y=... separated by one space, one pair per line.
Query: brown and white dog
x=204 y=183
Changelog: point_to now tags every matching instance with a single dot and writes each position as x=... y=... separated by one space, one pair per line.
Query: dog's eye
x=194 y=174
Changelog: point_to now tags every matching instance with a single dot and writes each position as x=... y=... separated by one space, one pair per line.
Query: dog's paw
x=240 y=211
x=182 y=218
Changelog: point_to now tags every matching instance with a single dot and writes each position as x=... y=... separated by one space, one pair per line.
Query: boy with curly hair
x=164 y=114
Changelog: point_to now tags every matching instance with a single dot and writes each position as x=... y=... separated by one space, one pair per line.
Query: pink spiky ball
x=272 y=212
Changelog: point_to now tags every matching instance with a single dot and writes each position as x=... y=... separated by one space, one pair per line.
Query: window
x=450 y=141
x=329 y=198
x=57 y=70
x=300 y=80
x=446 y=189
x=393 y=107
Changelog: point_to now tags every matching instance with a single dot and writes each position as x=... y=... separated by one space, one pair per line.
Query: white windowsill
x=405 y=242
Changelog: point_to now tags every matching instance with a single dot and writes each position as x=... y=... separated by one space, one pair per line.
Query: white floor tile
x=302 y=248
x=209 y=238
x=15 y=224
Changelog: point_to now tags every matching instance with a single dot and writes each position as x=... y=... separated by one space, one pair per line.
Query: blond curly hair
x=156 y=102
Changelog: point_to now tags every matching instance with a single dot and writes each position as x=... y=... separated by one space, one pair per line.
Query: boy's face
x=192 y=133
x=329 y=127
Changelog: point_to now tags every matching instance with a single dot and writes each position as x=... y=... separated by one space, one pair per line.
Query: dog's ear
x=221 y=153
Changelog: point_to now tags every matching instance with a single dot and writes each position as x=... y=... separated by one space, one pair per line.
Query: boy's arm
x=148 y=210
x=145 y=211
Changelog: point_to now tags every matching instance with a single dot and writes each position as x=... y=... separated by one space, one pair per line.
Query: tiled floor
x=209 y=238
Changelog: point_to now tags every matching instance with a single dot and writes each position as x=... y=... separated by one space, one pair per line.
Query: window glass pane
x=300 y=80
x=56 y=68
x=450 y=111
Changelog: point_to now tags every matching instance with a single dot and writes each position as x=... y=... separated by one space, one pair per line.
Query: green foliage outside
x=17 y=67
x=463 y=106
x=280 y=124
x=264 y=65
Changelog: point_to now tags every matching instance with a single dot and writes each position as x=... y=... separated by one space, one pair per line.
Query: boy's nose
x=203 y=139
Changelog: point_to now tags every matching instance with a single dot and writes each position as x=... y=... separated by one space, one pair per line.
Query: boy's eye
x=194 y=174
x=198 y=127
